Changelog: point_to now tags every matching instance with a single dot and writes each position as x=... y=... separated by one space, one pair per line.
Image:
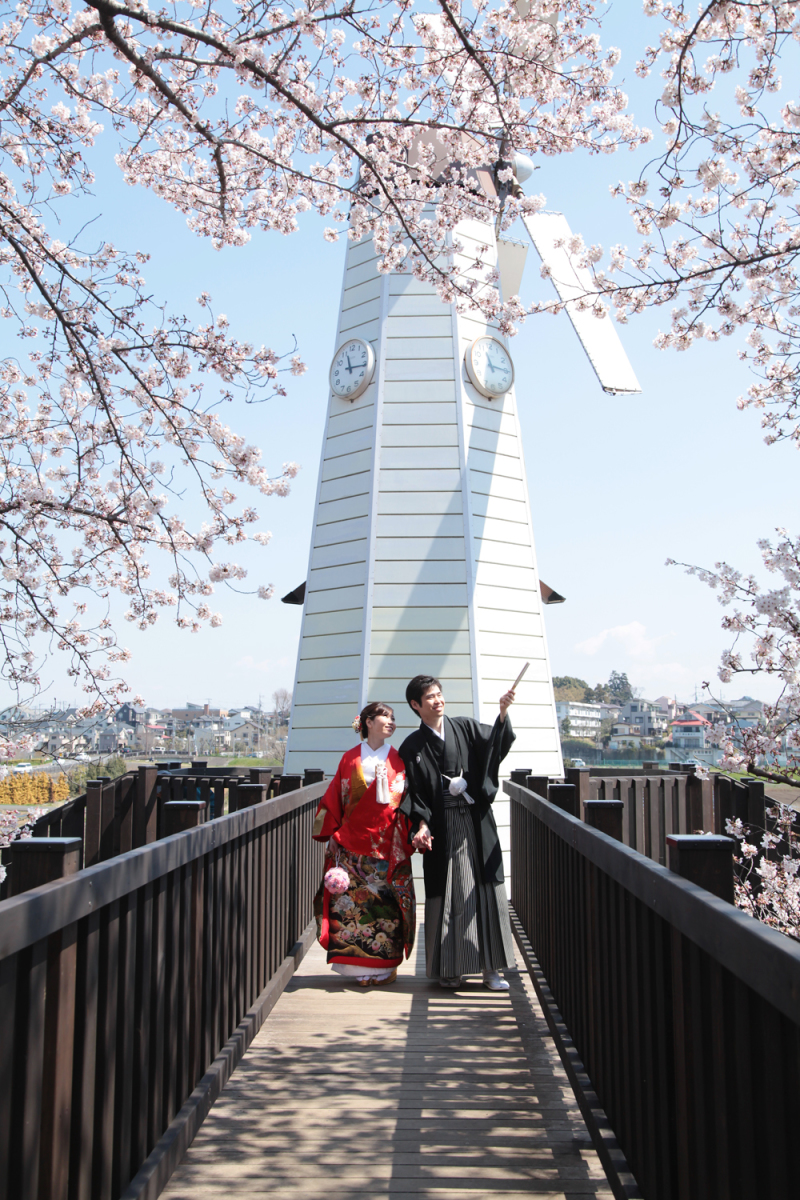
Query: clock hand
x=350 y=369
x=489 y=363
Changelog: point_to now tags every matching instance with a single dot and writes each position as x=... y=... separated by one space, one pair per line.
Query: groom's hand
x=422 y=839
x=505 y=703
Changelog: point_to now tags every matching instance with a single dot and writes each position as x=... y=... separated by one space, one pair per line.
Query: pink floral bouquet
x=337 y=880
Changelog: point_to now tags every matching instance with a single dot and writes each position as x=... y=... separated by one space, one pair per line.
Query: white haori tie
x=458 y=787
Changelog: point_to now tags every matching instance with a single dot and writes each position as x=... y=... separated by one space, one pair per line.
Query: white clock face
x=489 y=366
x=352 y=369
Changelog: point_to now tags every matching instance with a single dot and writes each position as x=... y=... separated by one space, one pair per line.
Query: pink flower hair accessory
x=336 y=880
x=356 y=723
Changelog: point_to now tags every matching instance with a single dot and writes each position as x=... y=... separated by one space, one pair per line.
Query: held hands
x=422 y=839
x=505 y=703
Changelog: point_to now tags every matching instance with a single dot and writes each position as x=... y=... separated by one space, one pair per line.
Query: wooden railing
x=114 y=816
x=684 y=1011
x=129 y=990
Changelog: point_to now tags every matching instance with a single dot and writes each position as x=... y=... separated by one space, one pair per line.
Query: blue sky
x=618 y=484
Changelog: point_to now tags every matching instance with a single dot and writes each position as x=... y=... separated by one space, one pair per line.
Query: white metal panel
x=321 y=740
x=498 y=464
x=348 y=442
x=498 y=576
x=333 y=599
x=334 y=511
x=417 y=414
x=432 y=595
x=328 y=761
x=419 y=458
x=328 y=692
x=496 y=485
x=501 y=508
x=419 y=435
x=336 y=577
x=312 y=716
x=360 y=294
x=408 y=285
x=492 y=419
x=339 y=553
x=514 y=628
x=398 y=666
x=432 y=619
x=573 y=283
x=322 y=624
x=392 y=571
x=416 y=548
x=511 y=532
x=360 y=314
x=505 y=553
x=431 y=369
x=510 y=599
x=360 y=273
x=410 y=304
x=340 y=489
x=368 y=330
x=346 y=465
x=361 y=252
x=490 y=442
x=424 y=390
x=341 y=531
x=419 y=348
x=437 y=480
x=421 y=501
x=420 y=525
x=420 y=328
x=344 y=667
x=420 y=641
x=347 y=420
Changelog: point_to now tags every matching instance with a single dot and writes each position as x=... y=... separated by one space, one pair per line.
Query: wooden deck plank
x=404 y=1091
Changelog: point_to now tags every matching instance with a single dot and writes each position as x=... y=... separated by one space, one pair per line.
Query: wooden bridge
x=171 y=1028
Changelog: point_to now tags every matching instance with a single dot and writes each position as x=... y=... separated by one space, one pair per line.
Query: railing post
x=34 y=861
x=290 y=783
x=183 y=814
x=145 y=829
x=565 y=797
x=605 y=816
x=248 y=794
x=538 y=784
x=313 y=775
x=261 y=775
x=756 y=803
x=582 y=779
x=519 y=775
x=704 y=859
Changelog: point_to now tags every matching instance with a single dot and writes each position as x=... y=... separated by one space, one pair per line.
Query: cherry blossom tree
x=242 y=115
x=718 y=228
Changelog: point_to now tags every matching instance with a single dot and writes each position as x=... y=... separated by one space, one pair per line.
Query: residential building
x=584 y=718
x=689 y=731
x=645 y=716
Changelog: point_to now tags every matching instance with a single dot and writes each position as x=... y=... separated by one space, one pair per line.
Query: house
x=646 y=716
x=583 y=718
x=689 y=731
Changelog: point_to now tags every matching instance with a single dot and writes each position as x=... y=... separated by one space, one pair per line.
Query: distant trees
x=282 y=703
x=618 y=690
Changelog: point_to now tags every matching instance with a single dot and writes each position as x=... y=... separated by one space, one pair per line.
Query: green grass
x=254 y=762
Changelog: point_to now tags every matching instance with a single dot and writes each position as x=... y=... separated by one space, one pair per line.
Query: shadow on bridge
x=401 y=1091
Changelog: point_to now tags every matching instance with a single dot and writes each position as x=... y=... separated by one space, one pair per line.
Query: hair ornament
x=356 y=723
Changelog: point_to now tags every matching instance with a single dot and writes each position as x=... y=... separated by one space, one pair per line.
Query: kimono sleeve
x=329 y=813
x=488 y=749
x=414 y=804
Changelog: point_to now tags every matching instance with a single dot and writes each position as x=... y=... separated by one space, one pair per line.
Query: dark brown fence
x=117 y=815
x=128 y=990
x=684 y=1010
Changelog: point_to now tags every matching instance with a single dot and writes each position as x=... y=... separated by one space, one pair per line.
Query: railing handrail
x=762 y=958
x=35 y=914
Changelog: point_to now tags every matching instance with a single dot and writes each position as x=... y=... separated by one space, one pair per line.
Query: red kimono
x=372 y=923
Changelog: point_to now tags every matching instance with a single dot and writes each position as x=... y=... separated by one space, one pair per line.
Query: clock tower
x=422 y=556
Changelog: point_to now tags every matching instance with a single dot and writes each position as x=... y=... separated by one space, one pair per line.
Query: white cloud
x=631 y=640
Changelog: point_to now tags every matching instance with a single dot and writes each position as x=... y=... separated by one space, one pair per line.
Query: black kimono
x=467 y=928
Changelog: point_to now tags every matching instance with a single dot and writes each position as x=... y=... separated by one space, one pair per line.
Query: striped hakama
x=467 y=930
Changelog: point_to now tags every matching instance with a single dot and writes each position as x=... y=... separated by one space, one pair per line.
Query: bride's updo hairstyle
x=376 y=709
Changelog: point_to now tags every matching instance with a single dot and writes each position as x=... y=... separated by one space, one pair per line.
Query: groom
x=452 y=768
